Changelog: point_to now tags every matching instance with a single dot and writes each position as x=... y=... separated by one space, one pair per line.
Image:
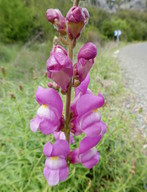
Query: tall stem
x=68 y=95
x=68 y=98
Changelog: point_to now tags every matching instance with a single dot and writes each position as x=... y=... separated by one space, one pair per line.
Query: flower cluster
x=82 y=116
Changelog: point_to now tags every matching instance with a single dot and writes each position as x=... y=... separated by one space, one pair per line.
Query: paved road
x=133 y=59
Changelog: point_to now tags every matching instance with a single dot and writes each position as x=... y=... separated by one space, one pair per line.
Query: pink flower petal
x=93 y=130
x=47 y=150
x=88 y=51
x=74 y=156
x=82 y=88
x=88 y=142
x=49 y=97
x=55 y=162
x=47 y=127
x=89 y=118
x=34 y=124
x=63 y=173
x=88 y=155
x=92 y=102
x=52 y=176
x=83 y=67
x=60 y=147
x=61 y=136
x=89 y=164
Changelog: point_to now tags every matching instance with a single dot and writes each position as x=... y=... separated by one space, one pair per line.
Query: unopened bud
x=76 y=83
x=55 y=17
x=55 y=40
x=76 y=20
x=55 y=86
x=50 y=85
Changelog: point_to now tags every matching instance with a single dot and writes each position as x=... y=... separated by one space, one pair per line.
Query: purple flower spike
x=76 y=20
x=86 y=153
x=49 y=114
x=56 y=168
x=55 y=17
x=59 y=67
x=85 y=61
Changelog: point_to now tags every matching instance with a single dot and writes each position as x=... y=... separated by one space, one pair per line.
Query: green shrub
x=16 y=21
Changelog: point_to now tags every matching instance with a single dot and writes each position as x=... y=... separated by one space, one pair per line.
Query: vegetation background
x=25 y=44
x=21 y=20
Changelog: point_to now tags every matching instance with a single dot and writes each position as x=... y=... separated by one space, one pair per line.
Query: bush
x=92 y=34
x=16 y=21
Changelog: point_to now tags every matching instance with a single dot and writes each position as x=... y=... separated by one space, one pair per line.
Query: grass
x=21 y=160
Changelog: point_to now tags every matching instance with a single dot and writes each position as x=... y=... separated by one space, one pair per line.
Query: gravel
x=133 y=61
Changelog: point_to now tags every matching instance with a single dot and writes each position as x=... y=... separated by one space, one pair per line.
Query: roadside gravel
x=133 y=61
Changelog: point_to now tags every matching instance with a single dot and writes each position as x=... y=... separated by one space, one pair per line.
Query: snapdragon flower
x=49 y=114
x=59 y=67
x=86 y=153
x=87 y=118
x=56 y=168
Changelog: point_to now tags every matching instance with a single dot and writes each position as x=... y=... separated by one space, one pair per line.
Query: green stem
x=68 y=97
x=68 y=94
x=76 y=2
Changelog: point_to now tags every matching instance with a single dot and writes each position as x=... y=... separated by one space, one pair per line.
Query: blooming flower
x=87 y=118
x=85 y=61
x=59 y=67
x=49 y=114
x=56 y=168
x=86 y=153
x=55 y=17
x=76 y=20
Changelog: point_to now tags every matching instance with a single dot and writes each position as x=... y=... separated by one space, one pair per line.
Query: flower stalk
x=68 y=97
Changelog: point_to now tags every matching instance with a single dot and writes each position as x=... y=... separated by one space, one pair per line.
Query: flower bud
x=55 y=17
x=59 y=67
x=85 y=61
x=76 y=20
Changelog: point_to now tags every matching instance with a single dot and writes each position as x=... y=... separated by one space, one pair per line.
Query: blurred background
x=25 y=43
x=22 y=20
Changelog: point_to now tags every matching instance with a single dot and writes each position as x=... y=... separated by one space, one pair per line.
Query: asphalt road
x=133 y=60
